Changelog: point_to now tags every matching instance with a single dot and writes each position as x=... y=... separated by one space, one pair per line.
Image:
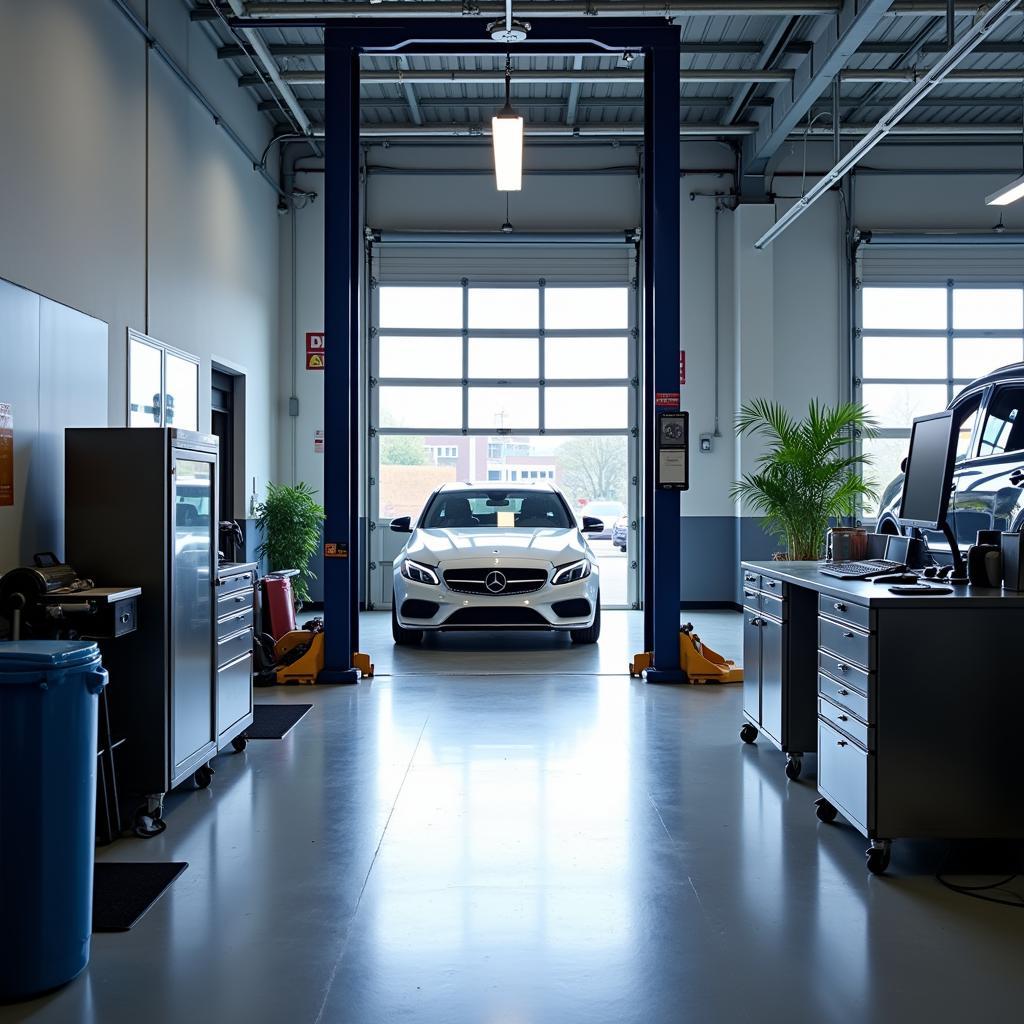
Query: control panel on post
x=673 y=454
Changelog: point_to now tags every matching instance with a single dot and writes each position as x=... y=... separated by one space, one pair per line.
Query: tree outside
x=594 y=468
x=402 y=450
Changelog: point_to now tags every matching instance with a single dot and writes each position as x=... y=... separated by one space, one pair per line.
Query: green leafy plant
x=289 y=520
x=809 y=473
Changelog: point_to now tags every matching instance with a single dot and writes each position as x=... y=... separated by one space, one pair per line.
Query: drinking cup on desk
x=847 y=543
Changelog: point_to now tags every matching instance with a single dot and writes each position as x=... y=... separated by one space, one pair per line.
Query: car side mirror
x=591 y=524
x=403 y=524
x=903 y=465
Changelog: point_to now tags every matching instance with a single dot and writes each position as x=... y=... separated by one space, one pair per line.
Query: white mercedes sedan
x=493 y=556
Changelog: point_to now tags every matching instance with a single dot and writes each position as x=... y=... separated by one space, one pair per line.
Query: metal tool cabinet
x=778 y=669
x=918 y=707
x=236 y=599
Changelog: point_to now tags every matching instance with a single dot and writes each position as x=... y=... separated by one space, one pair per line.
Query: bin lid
x=40 y=655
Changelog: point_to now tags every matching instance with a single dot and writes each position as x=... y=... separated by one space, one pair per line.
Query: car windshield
x=500 y=509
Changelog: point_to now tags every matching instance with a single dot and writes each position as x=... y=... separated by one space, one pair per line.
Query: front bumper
x=429 y=607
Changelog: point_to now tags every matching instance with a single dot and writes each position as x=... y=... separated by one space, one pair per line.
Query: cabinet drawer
x=233 y=647
x=236 y=601
x=230 y=584
x=773 y=606
x=847 y=643
x=751 y=598
x=750 y=580
x=234 y=692
x=770 y=586
x=845 y=696
x=233 y=622
x=841 y=719
x=844 y=672
x=843 y=774
x=845 y=611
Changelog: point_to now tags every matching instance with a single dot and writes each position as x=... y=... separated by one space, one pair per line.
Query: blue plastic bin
x=49 y=697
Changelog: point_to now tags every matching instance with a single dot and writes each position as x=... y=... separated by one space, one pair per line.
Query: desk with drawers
x=236 y=599
x=917 y=701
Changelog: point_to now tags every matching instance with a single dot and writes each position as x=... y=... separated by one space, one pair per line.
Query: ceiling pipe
x=309 y=11
x=259 y=47
x=691 y=76
x=994 y=16
x=693 y=129
x=534 y=8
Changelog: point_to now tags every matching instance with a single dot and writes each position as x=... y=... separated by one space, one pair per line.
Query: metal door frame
x=370 y=382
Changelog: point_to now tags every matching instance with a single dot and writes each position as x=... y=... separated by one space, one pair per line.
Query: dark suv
x=988 y=482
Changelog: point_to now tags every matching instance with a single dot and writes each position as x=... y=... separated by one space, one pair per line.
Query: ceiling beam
x=835 y=41
x=770 y=51
x=573 y=101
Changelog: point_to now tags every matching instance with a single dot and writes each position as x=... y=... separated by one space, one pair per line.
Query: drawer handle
x=771 y=583
x=839 y=606
x=843 y=718
x=848 y=634
x=125 y=619
x=841 y=743
x=841 y=666
x=757 y=622
x=748 y=593
x=749 y=579
x=844 y=693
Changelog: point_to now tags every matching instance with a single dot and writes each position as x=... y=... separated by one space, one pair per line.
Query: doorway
x=517 y=380
x=222 y=424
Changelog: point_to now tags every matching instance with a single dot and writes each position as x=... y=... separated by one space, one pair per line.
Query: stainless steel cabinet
x=141 y=505
x=236 y=592
x=779 y=675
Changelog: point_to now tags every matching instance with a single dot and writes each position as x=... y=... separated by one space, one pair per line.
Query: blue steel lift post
x=659 y=43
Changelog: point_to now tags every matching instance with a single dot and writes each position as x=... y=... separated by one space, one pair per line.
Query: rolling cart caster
x=878 y=855
x=239 y=743
x=147 y=821
x=748 y=734
x=794 y=765
x=824 y=811
x=203 y=776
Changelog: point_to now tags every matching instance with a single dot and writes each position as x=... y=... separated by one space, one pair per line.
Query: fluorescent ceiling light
x=1006 y=195
x=507 y=136
x=507 y=131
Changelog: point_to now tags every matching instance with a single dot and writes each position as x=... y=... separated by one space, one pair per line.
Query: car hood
x=465 y=545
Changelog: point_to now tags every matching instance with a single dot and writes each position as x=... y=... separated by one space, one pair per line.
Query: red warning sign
x=315 y=350
x=666 y=400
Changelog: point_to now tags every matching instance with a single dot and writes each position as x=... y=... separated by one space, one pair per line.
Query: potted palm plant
x=809 y=474
x=289 y=520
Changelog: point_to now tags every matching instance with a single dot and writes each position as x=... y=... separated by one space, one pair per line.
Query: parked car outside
x=492 y=556
x=619 y=532
x=988 y=478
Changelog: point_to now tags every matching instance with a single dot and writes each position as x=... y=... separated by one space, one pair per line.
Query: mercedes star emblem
x=495 y=582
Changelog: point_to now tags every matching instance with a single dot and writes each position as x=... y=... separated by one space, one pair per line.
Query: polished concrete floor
x=516 y=833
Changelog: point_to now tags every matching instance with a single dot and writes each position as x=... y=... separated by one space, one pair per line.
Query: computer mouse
x=944 y=571
x=930 y=571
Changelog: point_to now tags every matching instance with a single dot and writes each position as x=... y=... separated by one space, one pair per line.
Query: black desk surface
x=877 y=595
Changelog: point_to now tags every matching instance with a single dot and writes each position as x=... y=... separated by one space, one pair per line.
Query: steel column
x=662 y=545
x=342 y=261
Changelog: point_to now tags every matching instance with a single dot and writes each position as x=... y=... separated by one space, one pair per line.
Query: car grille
x=487 y=581
x=496 y=618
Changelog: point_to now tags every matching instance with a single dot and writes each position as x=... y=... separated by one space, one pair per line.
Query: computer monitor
x=929 y=473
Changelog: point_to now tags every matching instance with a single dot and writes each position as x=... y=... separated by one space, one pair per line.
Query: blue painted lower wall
x=712 y=548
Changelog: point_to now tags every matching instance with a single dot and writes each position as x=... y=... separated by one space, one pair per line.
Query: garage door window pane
x=574 y=309
x=504 y=409
x=905 y=357
x=586 y=408
x=504 y=309
x=974 y=357
x=421 y=357
x=886 y=454
x=896 y=405
x=904 y=309
x=421 y=308
x=504 y=358
x=417 y=407
x=586 y=358
x=988 y=309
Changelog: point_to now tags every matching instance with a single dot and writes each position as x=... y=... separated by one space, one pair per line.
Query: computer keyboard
x=861 y=570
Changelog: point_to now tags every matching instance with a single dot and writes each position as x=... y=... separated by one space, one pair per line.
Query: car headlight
x=419 y=573
x=572 y=572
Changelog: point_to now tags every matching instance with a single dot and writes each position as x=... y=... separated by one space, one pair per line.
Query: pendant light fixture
x=507 y=136
x=1015 y=190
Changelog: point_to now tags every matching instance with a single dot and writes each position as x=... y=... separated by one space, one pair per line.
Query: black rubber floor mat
x=123 y=892
x=275 y=721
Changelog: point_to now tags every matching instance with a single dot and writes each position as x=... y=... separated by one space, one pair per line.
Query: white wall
x=123 y=199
